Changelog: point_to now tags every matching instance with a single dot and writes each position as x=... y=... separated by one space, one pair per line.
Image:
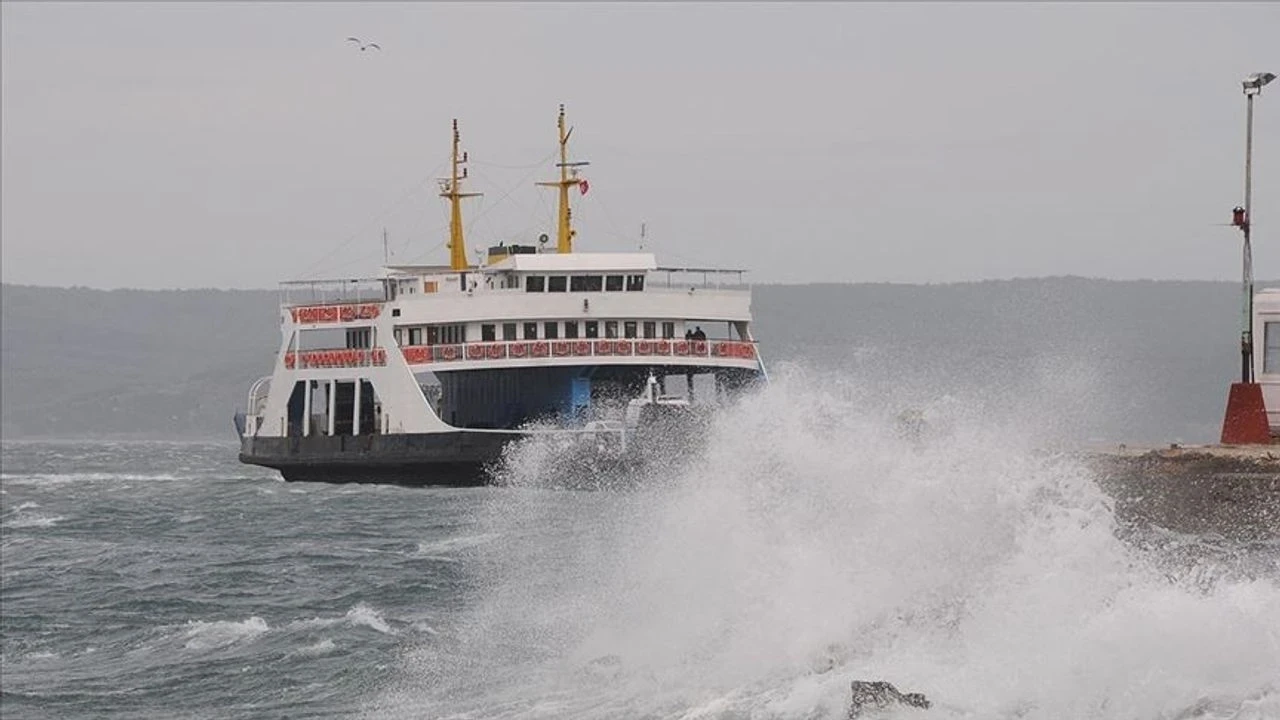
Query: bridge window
x=593 y=329
x=1271 y=347
x=535 y=283
x=613 y=283
x=611 y=329
x=488 y=333
x=447 y=334
x=508 y=331
x=629 y=329
x=650 y=330
x=550 y=330
x=635 y=283
x=415 y=336
x=571 y=330
x=531 y=331
x=585 y=283
x=556 y=283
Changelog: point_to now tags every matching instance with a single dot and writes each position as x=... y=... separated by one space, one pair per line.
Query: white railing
x=321 y=292
x=258 y=393
x=705 y=278
x=315 y=292
x=255 y=405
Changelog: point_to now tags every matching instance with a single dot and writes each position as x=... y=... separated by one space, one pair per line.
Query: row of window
x=590 y=329
x=360 y=338
x=437 y=334
x=549 y=330
x=584 y=283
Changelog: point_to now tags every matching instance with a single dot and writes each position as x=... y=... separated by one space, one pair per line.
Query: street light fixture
x=1243 y=219
x=1253 y=84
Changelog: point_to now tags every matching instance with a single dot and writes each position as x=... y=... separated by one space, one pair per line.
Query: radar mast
x=568 y=178
x=451 y=188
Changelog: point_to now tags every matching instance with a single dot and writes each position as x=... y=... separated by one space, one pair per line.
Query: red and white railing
x=343 y=358
x=523 y=349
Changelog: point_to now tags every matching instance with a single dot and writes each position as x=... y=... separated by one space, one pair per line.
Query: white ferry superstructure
x=423 y=375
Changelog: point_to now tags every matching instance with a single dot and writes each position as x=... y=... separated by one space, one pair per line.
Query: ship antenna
x=568 y=179
x=451 y=188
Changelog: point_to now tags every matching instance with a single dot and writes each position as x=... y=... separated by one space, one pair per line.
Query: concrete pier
x=1207 y=489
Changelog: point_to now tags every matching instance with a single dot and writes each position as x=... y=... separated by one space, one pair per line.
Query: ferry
x=425 y=374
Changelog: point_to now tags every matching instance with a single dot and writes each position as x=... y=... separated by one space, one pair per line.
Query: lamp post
x=1243 y=219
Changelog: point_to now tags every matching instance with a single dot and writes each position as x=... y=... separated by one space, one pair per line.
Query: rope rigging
x=312 y=268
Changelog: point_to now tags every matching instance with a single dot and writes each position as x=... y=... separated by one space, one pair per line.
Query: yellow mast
x=451 y=188
x=568 y=179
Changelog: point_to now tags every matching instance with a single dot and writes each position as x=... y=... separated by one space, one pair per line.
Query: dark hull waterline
x=456 y=459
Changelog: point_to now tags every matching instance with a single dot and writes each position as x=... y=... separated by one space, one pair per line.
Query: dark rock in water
x=879 y=695
x=603 y=668
x=606 y=661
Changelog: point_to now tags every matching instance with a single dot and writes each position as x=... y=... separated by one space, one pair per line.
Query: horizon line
x=923 y=283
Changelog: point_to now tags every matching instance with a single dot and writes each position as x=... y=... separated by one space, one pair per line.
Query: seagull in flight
x=364 y=46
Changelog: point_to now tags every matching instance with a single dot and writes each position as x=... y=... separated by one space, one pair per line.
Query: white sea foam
x=811 y=545
x=324 y=647
x=361 y=615
x=449 y=548
x=42 y=656
x=364 y=616
x=88 y=477
x=33 y=521
x=201 y=635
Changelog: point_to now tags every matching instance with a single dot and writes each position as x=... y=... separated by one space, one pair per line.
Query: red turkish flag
x=583 y=186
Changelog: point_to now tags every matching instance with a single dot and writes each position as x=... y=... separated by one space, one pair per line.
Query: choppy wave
x=324 y=647
x=23 y=520
x=811 y=543
x=201 y=635
x=215 y=634
x=359 y=616
x=451 y=548
x=86 y=477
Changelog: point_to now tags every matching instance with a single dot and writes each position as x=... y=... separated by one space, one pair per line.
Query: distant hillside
x=80 y=363
x=1140 y=361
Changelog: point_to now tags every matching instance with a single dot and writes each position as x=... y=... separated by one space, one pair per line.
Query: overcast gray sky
x=236 y=145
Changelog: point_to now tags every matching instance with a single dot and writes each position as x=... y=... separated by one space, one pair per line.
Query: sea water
x=809 y=542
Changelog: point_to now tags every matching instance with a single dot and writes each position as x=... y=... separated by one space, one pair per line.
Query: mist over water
x=811 y=543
